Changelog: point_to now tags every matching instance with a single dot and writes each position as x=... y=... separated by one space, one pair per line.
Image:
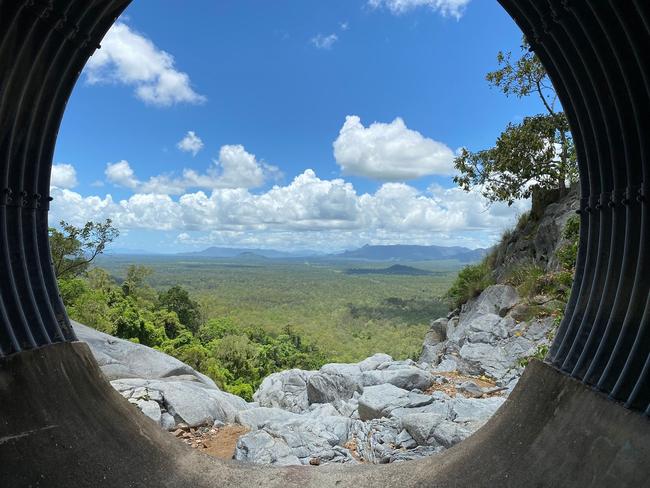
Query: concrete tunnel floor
x=62 y=425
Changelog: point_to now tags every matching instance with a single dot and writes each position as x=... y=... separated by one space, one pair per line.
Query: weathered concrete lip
x=62 y=425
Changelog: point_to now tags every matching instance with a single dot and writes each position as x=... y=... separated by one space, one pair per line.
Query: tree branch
x=543 y=97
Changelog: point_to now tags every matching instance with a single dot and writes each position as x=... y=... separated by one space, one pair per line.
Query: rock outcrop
x=487 y=337
x=166 y=390
x=376 y=411
x=539 y=239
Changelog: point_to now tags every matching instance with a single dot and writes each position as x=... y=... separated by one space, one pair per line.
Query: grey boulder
x=256 y=418
x=380 y=401
x=329 y=387
x=465 y=410
x=374 y=361
x=405 y=377
x=151 y=409
x=188 y=402
x=286 y=390
x=421 y=426
x=119 y=359
x=447 y=434
x=260 y=447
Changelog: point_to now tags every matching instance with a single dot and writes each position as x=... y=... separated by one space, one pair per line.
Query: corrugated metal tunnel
x=587 y=407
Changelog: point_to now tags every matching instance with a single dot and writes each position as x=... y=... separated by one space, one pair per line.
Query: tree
x=100 y=279
x=74 y=248
x=534 y=155
x=178 y=300
x=135 y=284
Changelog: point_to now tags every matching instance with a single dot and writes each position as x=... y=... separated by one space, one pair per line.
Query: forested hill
x=414 y=253
x=396 y=269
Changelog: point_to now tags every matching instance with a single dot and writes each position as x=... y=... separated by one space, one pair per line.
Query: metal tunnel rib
x=596 y=53
x=606 y=339
x=43 y=48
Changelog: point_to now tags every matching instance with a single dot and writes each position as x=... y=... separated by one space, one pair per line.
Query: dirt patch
x=222 y=444
x=351 y=445
x=216 y=442
x=454 y=379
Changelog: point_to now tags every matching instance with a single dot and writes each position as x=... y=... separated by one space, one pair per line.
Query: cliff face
x=536 y=241
x=495 y=333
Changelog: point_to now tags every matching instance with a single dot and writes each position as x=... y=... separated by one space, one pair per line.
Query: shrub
x=557 y=284
x=540 y=353
x=525 y=278
x=471 y=281
x=239 y=388
x=568 y=253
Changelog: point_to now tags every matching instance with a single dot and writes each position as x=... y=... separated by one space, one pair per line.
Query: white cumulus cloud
x=324 y=42
x=121 y=174
x=389 y=151
x=129 y=58
x=63 y=176
x=447 y=8
x=191 y=143
x=235 y=168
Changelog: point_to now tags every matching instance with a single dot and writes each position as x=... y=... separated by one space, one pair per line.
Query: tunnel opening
x=594 y=53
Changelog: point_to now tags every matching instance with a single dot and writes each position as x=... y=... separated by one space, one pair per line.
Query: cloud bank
x=64 y=176
x=308 y=212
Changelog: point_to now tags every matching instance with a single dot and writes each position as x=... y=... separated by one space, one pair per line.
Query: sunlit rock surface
x=376 y=411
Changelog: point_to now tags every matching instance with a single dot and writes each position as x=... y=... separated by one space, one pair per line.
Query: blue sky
x=288 y=124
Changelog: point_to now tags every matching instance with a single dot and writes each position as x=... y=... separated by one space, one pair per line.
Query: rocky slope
x=376 y=411
x=487 y=337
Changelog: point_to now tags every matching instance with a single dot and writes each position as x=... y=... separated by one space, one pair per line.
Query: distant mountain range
x=402 y=252
x=398 y=252
x=235 y=252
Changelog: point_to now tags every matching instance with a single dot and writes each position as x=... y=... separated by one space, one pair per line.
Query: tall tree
x=74 y=248
x=136 y=283
x=535 y=154
x=178 y=300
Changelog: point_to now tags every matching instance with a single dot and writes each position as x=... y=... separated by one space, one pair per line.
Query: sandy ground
x=217 y=442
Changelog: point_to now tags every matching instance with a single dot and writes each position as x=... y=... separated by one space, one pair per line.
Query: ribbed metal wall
x=43 y=48
x=597 y=53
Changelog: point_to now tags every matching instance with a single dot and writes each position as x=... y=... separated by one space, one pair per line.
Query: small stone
x=167 y=421
x=447 y=365
x=469 y=388
x=314 y=462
